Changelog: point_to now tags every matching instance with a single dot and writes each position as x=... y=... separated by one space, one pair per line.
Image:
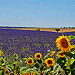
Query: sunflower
x=0 y=53
x=38 y=55
x=61 y=55
x=63 y=43
x=52 y=53
x=49 y=62
x=30 y=61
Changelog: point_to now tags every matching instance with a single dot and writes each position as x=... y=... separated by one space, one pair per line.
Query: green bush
x=57 y=29
x=38 y=29
x=73 y=27
x=69 y=27
x=66 y=27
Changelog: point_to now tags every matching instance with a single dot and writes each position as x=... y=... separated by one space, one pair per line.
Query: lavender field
x=27 y=42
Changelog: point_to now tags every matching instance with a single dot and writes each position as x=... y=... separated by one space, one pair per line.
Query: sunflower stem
x=50 y=70
x=68 y=62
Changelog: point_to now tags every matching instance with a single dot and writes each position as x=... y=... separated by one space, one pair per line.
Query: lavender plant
x=37 y=65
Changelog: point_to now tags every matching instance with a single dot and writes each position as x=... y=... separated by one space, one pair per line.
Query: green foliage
x=1 y=72
x=70 y=37
x=70 y=54
x=39 y=61
x=69 y=27
x=66 y=27
x=57 y=29
x=38 y=29
x=37 y=65
x=61 y=62
x=63 y=66
x=73 y=27
x=57 y=69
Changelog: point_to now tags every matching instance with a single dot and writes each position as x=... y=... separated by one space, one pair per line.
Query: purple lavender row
x=27 y=42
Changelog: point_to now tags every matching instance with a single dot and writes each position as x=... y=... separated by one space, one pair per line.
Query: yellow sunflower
x=30 y=61
x=0 y=53
x=49 y=62
x=52 y=53
x=61 y=55
x=63 y=43
x=38 y=55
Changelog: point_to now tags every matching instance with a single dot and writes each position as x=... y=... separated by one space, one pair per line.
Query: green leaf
x=68 y=68
x=42 y=67
x=69 y=54
x=73 y=72
x=59 y=61
x=66 y=64
x=37 y=65
x=34 y=60
x=24 y=58
x=1 y=72
x=71 y=37
x=73 y=46
x=72 y=60
x=18 y=68
x=72 y=66
x=0 y=67
x=48 y=50
x=39 y=61
x=23 y=68
x=46 y=56
x=67 y=71
x=62 y=65
x=6 y=63
x=12 y=66
x=20 y=60
x=47 y=70
x=9 y=68
x=32 y=66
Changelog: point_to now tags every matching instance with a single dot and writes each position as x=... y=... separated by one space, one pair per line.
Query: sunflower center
x=38 y=56
x=29 y=61
x=61 y=54
x=49 y=61
x=64 y=43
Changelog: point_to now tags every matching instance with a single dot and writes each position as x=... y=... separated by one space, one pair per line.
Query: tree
x=57 y=29
x=69 y=27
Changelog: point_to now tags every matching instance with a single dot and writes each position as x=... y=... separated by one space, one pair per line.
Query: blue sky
x=37 y=13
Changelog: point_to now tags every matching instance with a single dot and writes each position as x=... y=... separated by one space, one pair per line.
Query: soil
x=49 y=29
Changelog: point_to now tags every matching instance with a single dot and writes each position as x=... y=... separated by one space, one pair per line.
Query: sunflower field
x=27 y=52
